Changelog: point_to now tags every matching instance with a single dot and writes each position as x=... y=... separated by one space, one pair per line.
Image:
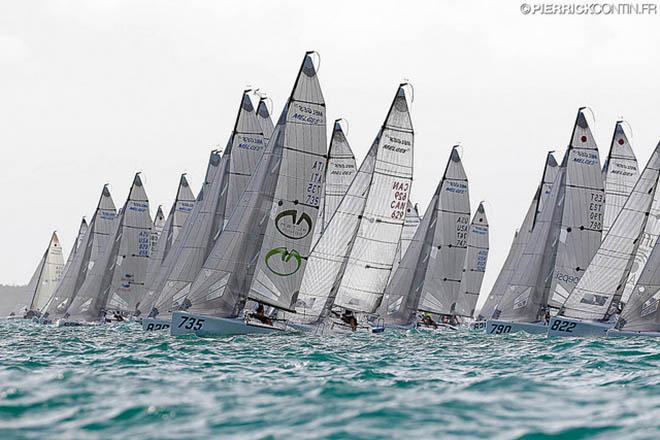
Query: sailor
x=350 y=319
x=546 y=317
x=261 y=315
x=118 y=317
x=428 y=320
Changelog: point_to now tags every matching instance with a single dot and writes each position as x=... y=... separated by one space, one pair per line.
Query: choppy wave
x=119 y=382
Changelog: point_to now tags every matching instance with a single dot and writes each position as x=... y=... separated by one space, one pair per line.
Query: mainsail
x=582 y=207
x=184 y=202
x=475 y=264
x=226 y=180
x=259 y=253
x=117 y=281
x=372 y=254
x=340 y=171
x=511 y=265
x=442 y=280
x=410 y=225
x=329 y=256
x=623 y=253
x=156 y=229
x=48 y=274
x=93 y=243
x=523 y=298
x=621 y=174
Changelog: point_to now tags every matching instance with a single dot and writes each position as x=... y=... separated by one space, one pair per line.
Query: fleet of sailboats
x=288 y=234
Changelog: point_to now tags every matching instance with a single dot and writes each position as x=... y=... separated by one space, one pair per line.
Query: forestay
x=621 y=174
x=271 y=228
x=613 y=271
x=93 y=243
x=442 y=280
x=475 y=264
x=582 y=210
x=372 y=255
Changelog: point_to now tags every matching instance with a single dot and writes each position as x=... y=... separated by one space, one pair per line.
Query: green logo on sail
x=286 y=257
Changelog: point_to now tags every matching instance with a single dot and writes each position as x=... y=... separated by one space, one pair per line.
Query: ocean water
x=119 y=382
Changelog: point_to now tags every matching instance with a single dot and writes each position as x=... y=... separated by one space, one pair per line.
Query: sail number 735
x=190 y=323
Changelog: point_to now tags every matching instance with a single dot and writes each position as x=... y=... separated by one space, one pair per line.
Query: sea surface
x=120 y=382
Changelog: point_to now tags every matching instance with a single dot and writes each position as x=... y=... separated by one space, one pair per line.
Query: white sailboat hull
x=497 y=327
x=570 y=327
x=613 y=333
x=155 y=324
x=184 y=323
x=438 y=328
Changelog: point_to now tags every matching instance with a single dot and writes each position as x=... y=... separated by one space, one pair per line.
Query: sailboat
x=339 y=173
x=595 y=303
x=571 y=234
x=491 y=308
x=257 y=260
x=45 y=279
x=82 y=230
x=440 y=238
x=621 y=174
x=375 y=223
x=94 y=240
x=474 y=268
x=116 y=283
x=184 y=202
x=226 y=180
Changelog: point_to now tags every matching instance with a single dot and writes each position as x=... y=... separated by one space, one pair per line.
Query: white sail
x=445 y=266
x=621 y=174
x=226 y=181
x=156 y=229
x=582 y=213
x=184 y=202
x=403 y=292
x=641 y=312
x=372 y=255
x=523 y=299
x=623 y=253
x=511 y=265
x=475 y=264
x=48 y=274
x=329 y=256
x=117 y=281
x=410 y=225
x=274 y=217
x=340 y=172
x=297 y=198
x=82 y=230
x=93 y=243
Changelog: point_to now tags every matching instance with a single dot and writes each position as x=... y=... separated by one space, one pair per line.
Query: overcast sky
x=93 y=91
